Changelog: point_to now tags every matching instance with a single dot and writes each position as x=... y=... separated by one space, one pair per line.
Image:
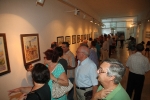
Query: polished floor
x=122 y=55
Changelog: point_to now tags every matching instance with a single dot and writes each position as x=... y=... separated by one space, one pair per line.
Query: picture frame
x=30 y=48
x=73 y=39
x=60 y=39
x=87 y=35
x=68 y=39
x=4 y=59
x=82 y=38
x=147 y=35
x=78 y=38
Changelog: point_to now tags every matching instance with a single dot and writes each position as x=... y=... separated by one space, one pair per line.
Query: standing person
x=121 y=40
x=40 y=90
x=61 y=60
x=138 y=65
x=105 y=49
x=57 y=72
x=110 y=41
x=110 y=73
x=68 y=55
x=53 y=45
x=85 y=73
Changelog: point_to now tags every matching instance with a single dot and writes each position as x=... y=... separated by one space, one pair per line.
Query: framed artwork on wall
x=82 y=38
x=30 y=48
x=73 y=39
x=68 y=39
x=87 y=35
x=147 y=35
x=78 y=38
x=4 y=60
x=60 y=39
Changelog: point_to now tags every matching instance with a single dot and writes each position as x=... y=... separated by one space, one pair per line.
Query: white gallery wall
x=49 y=21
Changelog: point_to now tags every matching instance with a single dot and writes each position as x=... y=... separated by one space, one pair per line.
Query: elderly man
x=85 y=73
x=68 y=55
x=110 y=73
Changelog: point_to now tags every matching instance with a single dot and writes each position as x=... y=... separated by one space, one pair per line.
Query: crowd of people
x=92 y=80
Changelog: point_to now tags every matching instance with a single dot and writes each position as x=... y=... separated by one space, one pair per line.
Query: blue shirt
x=86 y=73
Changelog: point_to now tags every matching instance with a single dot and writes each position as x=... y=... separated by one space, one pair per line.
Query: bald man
x=85 y=74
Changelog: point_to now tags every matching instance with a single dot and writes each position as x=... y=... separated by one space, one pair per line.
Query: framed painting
x=78 y=38
x=82 y=38
x=60 y=39
x=68 y=39
x=4 y=60
x=73 y=39
x=30 y=48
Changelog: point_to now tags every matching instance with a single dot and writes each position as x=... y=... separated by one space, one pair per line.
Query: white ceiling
x=118 y=8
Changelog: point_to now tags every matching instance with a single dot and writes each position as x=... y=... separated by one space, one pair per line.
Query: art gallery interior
x=62 y=18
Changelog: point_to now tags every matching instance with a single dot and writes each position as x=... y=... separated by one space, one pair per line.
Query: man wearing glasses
x=110 y=74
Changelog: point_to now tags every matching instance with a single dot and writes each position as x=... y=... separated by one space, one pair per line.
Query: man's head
x=140 y=47
x=65 y=46
x=111 y=70
x=82 y=52
x=54 y=45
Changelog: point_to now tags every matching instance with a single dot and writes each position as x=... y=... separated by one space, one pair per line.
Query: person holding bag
x=57 y=71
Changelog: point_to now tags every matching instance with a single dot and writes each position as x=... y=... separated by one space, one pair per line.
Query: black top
x=64 y=63
x=42 y=93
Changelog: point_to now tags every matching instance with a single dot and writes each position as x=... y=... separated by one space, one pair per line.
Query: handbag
x=88 y=95
x=59 y=90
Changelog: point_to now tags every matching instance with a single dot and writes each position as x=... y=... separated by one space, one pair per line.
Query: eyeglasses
x=100 y=70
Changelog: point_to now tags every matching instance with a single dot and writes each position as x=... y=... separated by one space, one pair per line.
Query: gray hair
x=85 y=50
x=116 y=69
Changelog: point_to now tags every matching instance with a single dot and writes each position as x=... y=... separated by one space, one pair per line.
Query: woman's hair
x=116 y=69
x=59 y=50
x=40 y=73
x=51 y=55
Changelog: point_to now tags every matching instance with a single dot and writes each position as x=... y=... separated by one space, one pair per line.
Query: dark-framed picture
x=82 y=38
x=73 y=39
x=68 y=39
x=87 y=35
x=4 y=60
x=60 y=39
x=78 y=38
x=30 y=48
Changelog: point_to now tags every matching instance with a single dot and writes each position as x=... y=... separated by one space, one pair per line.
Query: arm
x=70 y=68
x=21 y=89
x=94 y=88
x=62 y=80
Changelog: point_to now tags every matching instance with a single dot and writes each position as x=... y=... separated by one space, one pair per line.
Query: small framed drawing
x=73 y=39
x=82 y=38
x=147 y=35
x=78 y=38
x=60 y=39
x=68 y=39
x=4 y=60
x=30 y=48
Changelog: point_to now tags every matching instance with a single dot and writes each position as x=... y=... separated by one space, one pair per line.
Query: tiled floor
x=122 y=55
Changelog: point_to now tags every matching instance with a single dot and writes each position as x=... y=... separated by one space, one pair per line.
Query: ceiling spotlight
x=76 y=12
x=92 y=21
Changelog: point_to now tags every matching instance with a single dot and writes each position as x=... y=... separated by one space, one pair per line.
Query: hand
x=13 y=91
x=23 y=96
x=101 y=94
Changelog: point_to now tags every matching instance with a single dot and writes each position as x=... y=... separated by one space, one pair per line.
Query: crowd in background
x=83 y=69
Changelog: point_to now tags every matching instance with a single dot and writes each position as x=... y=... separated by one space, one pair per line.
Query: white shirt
x=86 y=73
x=138 y=63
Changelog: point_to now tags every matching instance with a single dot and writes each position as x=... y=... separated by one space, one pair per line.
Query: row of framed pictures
x=30 y=51
x=75 y=38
